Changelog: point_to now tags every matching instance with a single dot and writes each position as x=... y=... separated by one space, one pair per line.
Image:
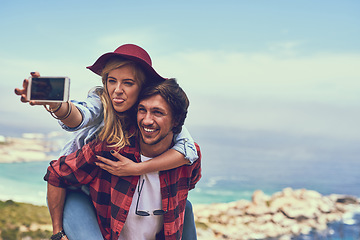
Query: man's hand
x=124 y=167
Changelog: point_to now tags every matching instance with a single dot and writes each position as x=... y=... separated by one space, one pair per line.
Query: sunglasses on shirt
x=155 y=212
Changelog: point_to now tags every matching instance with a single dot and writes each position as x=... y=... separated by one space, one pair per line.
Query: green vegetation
x=24 y=221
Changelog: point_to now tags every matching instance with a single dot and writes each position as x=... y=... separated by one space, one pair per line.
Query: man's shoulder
x=197 y=146
x=198 y=151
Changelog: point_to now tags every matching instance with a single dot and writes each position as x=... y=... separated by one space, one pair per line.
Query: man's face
x=155 y=121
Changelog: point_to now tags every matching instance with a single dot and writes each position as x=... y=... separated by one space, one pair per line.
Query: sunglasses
x=155 y=212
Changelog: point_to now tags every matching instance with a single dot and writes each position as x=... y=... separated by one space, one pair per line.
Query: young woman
x=107 y=114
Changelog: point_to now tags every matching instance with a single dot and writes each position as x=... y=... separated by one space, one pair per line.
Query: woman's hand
x=124 y=167
x=23 y=93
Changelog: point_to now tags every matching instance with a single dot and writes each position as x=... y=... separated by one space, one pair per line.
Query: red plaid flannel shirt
x=112 y=195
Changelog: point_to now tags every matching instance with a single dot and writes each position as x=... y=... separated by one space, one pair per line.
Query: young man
x=149 y=206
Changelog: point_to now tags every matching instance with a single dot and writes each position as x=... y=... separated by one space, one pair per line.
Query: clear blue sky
x=290 y=66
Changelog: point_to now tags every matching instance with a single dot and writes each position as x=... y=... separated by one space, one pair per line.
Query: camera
x=49 y=89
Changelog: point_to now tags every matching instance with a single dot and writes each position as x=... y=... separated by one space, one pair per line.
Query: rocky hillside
x=24 y=221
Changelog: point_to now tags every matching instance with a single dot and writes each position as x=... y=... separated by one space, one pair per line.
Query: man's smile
x=149 y=130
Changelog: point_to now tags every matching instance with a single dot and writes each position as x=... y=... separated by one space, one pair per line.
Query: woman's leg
x=80 y=222
x=189 y=231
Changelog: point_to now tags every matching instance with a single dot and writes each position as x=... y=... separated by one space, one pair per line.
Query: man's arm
x=56 y=200
x=75 y=169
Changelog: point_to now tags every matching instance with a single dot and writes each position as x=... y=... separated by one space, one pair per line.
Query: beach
x=31 y=147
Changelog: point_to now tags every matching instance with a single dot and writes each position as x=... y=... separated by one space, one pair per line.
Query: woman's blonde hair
x=116 y=124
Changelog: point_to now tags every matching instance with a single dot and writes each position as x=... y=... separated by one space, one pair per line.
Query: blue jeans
x=189 y=231
x=80 y=222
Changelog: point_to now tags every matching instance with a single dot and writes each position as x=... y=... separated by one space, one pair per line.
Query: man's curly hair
x=174 y=96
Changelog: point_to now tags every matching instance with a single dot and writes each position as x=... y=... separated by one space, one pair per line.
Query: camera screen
x=47 y=89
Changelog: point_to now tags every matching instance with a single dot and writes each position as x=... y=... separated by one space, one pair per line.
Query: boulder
x=280 y=216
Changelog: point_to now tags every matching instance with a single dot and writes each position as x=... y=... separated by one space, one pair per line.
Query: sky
x=273 y=83
x=275 y=66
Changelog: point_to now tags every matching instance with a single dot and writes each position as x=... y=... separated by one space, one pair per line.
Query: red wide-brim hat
x=133 y=53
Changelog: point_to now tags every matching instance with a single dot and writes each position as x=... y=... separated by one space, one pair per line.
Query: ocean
x=235 y=163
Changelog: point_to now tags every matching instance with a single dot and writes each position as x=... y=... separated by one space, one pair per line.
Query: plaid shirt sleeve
x=76 y=169
x=179 y=180
x=196 y=173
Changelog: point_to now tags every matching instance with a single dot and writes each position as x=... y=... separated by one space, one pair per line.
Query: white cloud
x=305 y=95
x=315 y=95
x=286 y=48
x=141 y=36
x=324 y=78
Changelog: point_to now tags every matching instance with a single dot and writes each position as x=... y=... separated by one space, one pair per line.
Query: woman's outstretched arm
x=67 y=112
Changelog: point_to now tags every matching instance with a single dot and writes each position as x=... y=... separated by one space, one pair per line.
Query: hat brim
x=150 y=72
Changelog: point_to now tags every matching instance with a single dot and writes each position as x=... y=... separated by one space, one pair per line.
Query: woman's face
x=123 y=88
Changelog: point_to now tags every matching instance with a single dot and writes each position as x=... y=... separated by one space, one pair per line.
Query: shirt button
x=125 y=212
x=133 y=189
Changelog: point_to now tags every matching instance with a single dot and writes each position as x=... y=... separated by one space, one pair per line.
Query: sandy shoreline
x=30 y=148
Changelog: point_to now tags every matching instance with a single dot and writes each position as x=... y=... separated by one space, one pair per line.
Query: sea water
x=23 y=182
x=235 y=163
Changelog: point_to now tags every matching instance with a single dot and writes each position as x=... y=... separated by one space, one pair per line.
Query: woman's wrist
x=55 y=107
x=140 y=169
x=60 y=115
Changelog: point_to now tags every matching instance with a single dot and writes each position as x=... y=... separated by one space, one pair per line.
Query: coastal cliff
x=283 y=215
